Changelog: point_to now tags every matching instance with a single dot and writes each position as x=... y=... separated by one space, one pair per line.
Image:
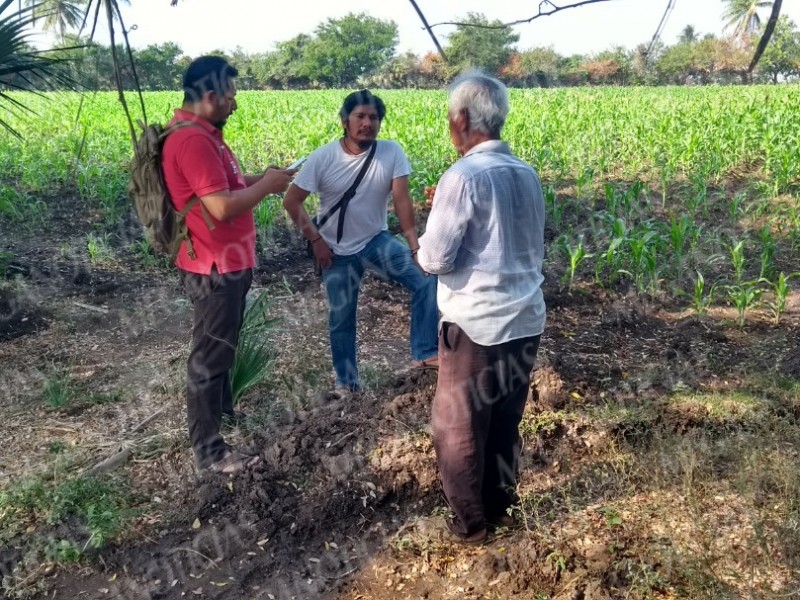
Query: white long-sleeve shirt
x=485 y=240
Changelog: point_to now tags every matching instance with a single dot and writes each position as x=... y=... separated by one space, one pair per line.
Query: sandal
x=439 y=529
x=342 y=393
x=431 y=363
x=233 y=462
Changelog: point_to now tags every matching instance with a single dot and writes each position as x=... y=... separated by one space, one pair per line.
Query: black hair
x=360 y=98
x=207 y=74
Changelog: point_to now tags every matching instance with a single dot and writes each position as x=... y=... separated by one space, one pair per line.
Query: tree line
x=360 y=50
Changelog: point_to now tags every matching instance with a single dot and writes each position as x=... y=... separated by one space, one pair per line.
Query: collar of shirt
x=490 y=146
x=185 y=115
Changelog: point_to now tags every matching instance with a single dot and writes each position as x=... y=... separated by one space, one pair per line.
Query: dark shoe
x=504 y=521
x=232 y=463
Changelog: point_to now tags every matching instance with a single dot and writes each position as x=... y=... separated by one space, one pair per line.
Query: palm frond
x=255 y=353
x=742 y=15
x=21 y=67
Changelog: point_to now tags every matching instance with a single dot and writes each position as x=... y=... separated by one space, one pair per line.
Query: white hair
x=484 y=98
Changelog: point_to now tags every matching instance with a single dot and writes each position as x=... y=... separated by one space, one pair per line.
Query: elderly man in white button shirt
x=485 y=240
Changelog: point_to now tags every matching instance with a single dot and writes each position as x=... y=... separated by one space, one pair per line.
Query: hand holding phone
x=297 y=164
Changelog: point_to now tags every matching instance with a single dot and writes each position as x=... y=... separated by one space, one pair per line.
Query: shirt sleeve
x=447 y=224
x=401 y=165
x=306 y=179
x=207 y=173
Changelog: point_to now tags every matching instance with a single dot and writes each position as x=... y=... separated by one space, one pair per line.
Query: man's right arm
x=293 y=203
x=227 y=204
x=446 y=226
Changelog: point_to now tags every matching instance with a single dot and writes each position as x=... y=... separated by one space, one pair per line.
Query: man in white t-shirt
x=349 y=243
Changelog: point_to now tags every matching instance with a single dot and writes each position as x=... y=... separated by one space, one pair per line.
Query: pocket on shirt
x=450 y=334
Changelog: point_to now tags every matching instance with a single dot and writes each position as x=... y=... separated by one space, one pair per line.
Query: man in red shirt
x=216 y=265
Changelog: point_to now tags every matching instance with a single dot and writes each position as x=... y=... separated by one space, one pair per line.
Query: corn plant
x=702 y=298
x=699 y=196
x=666 y=173
x=612 y=198
x=267 y=211
x=98 y=248
x=554 y=208
x=737 y=260
x=577 y=254
x=611 y=259
x=583 y=182
x=678 y=232
x=631 y=198
x=767 y=253
x=643 y=247
x=781 y=289
x=735 y=207
x=744 y=297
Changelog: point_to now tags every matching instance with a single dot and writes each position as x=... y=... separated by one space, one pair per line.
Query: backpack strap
x=194 y=199
x=181 y=217
x=206 y=217
x=173 y=128
x=341 y=205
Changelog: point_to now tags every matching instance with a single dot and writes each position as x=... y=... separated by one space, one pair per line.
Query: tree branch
x=660 y=29
x=430 y=31
x=546 y=8
x=768 y=30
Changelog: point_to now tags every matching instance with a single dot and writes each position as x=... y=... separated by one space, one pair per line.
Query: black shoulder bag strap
x=341 y=205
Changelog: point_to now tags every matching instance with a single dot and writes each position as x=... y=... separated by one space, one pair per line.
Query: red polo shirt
x=197 y=162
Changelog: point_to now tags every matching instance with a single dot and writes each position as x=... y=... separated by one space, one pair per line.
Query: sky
x=199 y=26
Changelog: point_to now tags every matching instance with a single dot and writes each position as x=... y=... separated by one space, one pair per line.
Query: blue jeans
x=390 y=259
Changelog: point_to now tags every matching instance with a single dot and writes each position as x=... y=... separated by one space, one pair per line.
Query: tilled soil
x=339 y=504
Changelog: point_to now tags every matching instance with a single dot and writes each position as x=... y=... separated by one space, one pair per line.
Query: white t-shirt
x=330 y=171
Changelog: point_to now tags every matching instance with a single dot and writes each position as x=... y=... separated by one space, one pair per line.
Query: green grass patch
x=94 y=509
x=720 y=405
x=545 y=423
x=58 y=390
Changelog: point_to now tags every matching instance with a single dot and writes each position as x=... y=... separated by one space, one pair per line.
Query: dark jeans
x=476 y=413
x=219 y=303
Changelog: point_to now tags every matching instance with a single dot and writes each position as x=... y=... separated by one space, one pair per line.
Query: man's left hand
x=416 y=262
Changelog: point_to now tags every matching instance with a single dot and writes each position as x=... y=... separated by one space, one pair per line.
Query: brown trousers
x=219 y=304
x=476 y=413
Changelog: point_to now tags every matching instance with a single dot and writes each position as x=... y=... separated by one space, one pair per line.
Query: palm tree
x=688 y=35
x=61 y=15
x=58 y=15
x=22 y=67
x=742 y=15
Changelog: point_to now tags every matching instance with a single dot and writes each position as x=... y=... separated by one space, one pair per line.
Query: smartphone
x=297 y=164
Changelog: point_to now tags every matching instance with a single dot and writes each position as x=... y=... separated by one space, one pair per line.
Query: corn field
x=686 y=192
